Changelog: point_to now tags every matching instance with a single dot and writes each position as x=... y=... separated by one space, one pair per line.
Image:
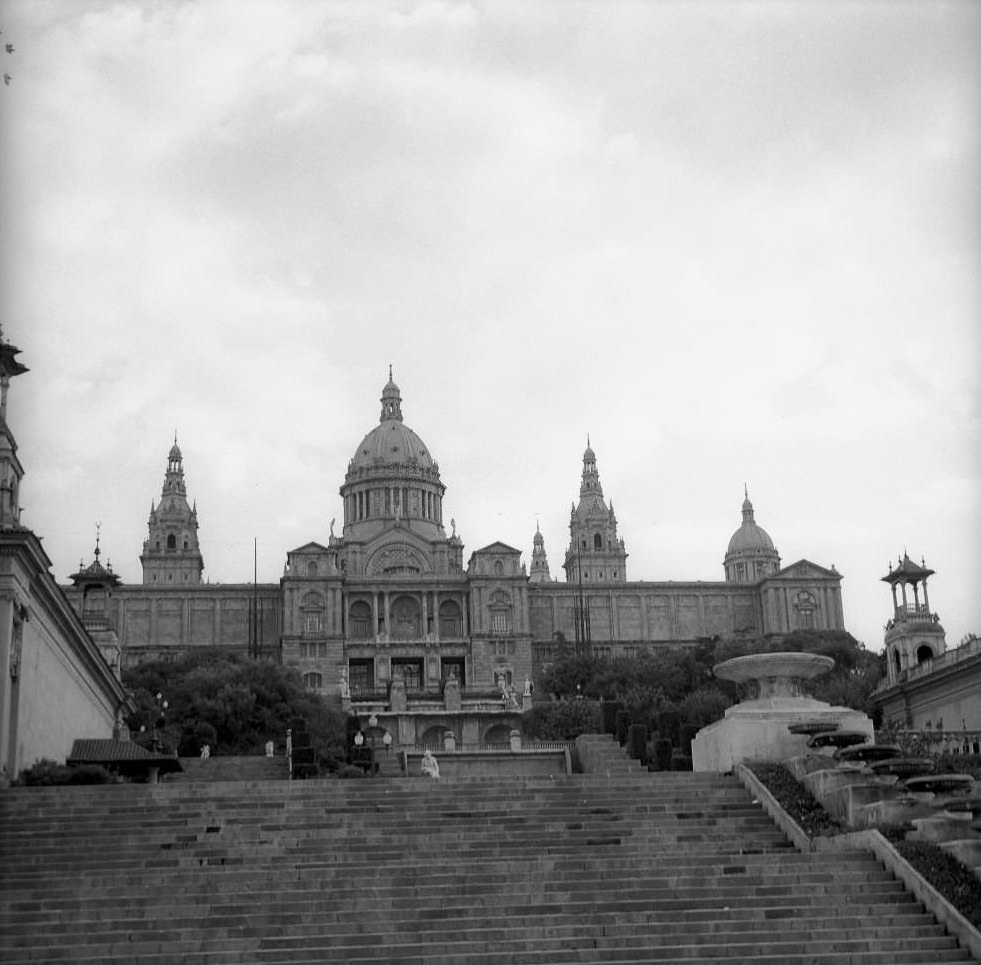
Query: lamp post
x=159 y=722
x=372 y=724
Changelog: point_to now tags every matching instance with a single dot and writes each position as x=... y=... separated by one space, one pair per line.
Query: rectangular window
x=409 y=671
x=501 y=621
x=454 y=668
x=361 y=676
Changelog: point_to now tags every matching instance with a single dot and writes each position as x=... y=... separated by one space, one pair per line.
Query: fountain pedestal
x=758 y=728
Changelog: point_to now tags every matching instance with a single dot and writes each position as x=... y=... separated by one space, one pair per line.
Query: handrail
x=289 y=751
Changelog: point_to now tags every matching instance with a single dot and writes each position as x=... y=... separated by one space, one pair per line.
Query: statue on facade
x=345 y=688
x=527 y=687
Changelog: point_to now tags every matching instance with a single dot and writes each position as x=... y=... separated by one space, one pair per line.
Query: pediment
x=804 y=570
x=498 y=549
x=308 y=548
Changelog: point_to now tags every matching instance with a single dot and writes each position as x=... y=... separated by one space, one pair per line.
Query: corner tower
x=595 y=553
x=914 y=634
x=171 y=555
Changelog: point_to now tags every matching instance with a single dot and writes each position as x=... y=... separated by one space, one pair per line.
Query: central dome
x=391 y=442
x=750 y=536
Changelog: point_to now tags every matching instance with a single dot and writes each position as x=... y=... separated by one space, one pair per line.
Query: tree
x=232 y=703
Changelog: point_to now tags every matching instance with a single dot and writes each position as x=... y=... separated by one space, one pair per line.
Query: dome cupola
x=751 y=554
x=392 y=477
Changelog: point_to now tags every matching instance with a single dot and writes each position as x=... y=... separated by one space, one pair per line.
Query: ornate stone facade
x=387 y=612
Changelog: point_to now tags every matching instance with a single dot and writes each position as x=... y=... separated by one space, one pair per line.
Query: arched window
x=924 y=652
x=312 y=568
x=359 y=623
x=312 y=612
x=450 y=620
x=171 y=542
x=406 y=617
x=897 y=663
x=597 y=541
x=498 y=568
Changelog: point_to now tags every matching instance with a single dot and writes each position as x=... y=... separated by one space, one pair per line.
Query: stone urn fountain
x=759 y=728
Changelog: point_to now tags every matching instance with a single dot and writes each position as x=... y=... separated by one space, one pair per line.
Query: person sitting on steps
x=430 y=768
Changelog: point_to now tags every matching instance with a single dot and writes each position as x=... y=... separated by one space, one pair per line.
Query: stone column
x=451 y=695
x=398 y=702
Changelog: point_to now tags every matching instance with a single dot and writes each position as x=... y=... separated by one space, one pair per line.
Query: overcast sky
x=734 y=243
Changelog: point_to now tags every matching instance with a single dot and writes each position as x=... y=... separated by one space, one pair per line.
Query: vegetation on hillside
x=230 y=702
x=673 y=688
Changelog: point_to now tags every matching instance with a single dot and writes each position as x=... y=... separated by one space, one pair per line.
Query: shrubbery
x=954 y=880
x=562 y=720
x=46 y=772
x=232 y=703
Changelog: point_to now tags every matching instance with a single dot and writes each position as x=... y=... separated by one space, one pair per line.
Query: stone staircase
x=216 y=769
x=634 y=867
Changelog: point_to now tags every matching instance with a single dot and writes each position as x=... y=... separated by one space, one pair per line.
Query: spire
x=747 y=506
x=539 y=572
x=590 y=474
x=391 y=400
x=171 y=553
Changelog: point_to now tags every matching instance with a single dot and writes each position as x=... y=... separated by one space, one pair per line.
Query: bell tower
x=595 y=553
x=171 y=555
x=914 y=634
x=539 y=560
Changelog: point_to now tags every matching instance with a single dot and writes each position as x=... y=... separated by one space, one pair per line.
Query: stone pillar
x=449 y=742
x=515 y=741
x=451 y=695
x=398 y=703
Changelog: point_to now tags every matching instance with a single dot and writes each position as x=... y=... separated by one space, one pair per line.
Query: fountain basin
x=760 y=727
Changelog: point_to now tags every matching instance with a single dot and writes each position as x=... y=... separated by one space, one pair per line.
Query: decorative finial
x=745 y=490
x=589 y=445
x=390 y=377
x=98 y=526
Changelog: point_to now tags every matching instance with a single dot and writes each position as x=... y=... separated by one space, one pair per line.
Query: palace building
x=389 y=615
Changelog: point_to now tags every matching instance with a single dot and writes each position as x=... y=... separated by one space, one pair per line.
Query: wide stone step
x=552 y=949
x=328 y=907
x=631 y=871
x=655 y=868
